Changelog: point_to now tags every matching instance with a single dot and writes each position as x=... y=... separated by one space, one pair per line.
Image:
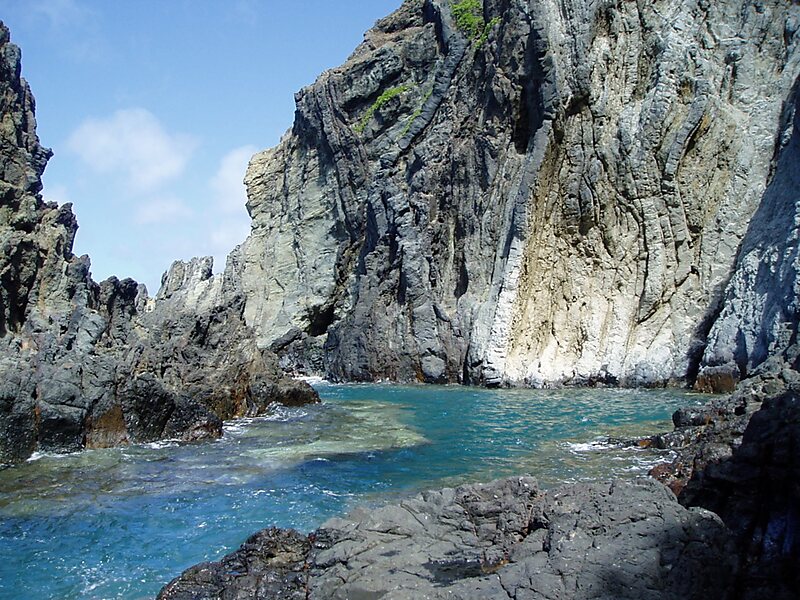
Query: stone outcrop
x=756 y=493
x=759 y=316
x=501 y=540
x=738 y=457
x=586 y=192
x=84 y=364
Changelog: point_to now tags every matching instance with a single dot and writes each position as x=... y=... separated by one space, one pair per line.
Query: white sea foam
x=281 y=413
x=312 y=379
x=593 y=446
x=40 y=455
x=161 y=444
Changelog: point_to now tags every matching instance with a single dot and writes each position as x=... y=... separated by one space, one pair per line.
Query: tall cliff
x=91 y=365
x=535 y=192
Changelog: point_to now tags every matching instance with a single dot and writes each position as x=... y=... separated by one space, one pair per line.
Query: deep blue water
x=120 y=523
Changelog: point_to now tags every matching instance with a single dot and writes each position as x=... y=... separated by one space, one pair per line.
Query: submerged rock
x=503 y=540
x=93 y=365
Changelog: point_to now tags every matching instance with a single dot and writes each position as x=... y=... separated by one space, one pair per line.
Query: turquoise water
x=120 y=523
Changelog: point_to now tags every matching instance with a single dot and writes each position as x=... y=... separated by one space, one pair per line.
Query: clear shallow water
x=120 y=523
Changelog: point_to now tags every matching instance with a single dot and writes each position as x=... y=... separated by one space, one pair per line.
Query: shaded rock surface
x=84 y=364
x=503 y=540
x=739 y=458
x=581 y=198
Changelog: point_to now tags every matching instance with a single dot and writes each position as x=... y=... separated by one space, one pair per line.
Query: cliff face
x=559 y=197
x=91 y=365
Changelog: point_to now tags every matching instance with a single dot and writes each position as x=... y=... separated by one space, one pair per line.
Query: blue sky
x=153 y=108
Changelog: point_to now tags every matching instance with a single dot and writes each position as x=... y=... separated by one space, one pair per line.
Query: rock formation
x=563 y=198
x=502 y=540
x=739 y=457
x=580 y=192
x=91 y=365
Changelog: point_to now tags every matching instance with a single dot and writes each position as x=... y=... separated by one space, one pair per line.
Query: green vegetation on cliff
x=381 y=101
x=468 y=15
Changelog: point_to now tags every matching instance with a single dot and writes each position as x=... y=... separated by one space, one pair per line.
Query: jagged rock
x=270 y=564
x=564 y=203
x=94 y=365
x=708 y=435
x=501 y=540
x=739 y=457
x=756 y=493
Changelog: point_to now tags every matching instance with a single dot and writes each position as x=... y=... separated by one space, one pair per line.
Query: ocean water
x=120 y=523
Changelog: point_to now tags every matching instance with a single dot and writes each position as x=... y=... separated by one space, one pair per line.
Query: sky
x=154 y=107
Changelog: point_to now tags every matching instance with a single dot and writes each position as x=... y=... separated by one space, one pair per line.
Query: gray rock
x=500 y=540
x=759 y=316
x=739 y=457
x=755 y=491
x=94 y=365
x=270 y=564
x=564 y=203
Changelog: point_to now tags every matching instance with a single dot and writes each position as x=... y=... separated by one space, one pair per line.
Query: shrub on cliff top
x=468 y=15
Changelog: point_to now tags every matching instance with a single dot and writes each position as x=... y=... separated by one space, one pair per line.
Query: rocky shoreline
x=502 y=540
x=595 y=192
x=731 y=532
x=92 y=365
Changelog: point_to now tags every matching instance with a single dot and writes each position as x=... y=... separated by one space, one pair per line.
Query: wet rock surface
x=270 y=564
x=84 y=364
x=506 y=539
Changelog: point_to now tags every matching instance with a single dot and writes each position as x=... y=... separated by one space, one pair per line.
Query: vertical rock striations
x=91 y=365
x=561 y=199
x=759 y=316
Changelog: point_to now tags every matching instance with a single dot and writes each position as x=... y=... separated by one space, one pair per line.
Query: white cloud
x=228 y=184
x=60 y=13
x=133 y=143
x=56 y=193
x=228 y=234
x=166 y=210
x=73 y=28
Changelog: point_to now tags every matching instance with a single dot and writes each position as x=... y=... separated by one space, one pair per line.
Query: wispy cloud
x=56 y=193
x=164 y=210
x=232 y=223
x=72 y=27
x=60 y=13
x=228 y=183
x=133 y=143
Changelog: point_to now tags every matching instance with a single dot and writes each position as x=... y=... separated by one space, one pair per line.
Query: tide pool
x=122 y=522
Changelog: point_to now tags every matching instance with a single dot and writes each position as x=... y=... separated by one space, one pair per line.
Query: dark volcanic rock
x=756 y=491
x=270 y=564
x=739 y=456
x=86 y=364
x=708 y=435
x=501 y=540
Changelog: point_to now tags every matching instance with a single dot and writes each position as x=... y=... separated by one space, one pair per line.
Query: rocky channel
x=730 y=534
x=589 y=192
x=506 y=192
